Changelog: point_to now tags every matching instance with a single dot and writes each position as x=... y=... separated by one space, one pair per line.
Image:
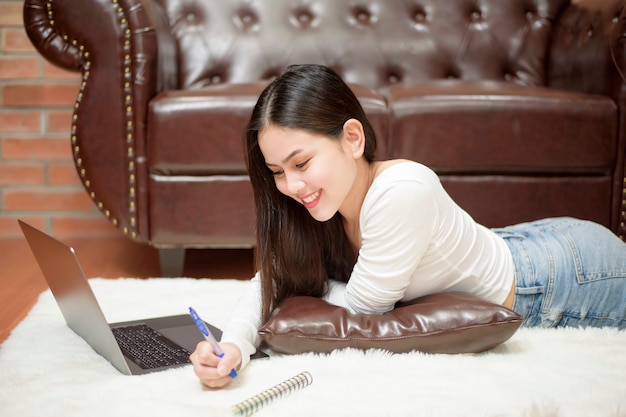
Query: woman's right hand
x=213 y=371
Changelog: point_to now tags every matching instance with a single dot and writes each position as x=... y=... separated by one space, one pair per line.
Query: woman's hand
x=213 y=371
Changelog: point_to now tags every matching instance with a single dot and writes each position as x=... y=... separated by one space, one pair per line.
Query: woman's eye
x=277 y=173
x=302 y=164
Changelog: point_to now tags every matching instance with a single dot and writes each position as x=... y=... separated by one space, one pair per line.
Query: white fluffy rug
x=46 y=370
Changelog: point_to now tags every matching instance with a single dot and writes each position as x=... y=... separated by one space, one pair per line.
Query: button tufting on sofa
x=303 y=18
x=247 y=20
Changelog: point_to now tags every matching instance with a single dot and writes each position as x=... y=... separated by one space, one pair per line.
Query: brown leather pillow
x=438 y=323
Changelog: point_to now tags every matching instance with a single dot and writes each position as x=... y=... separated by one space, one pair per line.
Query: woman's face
x=314 y=170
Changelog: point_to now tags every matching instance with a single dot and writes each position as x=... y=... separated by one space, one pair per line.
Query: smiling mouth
x=311 y=200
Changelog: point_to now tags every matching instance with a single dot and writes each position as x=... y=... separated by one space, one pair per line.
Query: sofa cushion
x=496 y=127
x=201 y=132
x=437 y=323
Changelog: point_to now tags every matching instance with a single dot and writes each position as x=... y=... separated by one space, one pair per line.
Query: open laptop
x=134 y=347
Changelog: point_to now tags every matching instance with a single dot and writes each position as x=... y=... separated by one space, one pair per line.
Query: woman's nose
x=294 y=184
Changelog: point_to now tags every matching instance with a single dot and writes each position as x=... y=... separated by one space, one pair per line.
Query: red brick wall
x=38 y=181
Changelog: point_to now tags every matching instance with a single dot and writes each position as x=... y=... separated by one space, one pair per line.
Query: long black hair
x=295 y=253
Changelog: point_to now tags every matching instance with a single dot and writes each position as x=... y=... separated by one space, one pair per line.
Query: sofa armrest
x=115 y=45
x=594 y=31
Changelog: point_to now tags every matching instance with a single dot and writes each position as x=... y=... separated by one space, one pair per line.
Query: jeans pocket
x=596 y=252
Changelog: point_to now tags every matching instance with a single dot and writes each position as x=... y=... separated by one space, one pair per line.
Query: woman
x=334 y=223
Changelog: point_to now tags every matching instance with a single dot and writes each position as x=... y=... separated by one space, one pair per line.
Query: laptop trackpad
x=186 y=336
x=189 y=336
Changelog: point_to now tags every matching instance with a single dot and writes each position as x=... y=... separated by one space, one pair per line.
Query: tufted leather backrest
x=370 y=42
x=590 y=31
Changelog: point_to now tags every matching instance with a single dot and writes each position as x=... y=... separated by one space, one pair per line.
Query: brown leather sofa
x=519 y=105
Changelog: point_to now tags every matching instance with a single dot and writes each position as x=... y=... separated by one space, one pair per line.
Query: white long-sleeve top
x=415 y=240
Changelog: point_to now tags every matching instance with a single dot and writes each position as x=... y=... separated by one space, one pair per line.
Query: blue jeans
x=569 y=272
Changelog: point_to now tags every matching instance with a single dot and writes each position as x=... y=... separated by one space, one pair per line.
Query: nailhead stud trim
x=128 y=104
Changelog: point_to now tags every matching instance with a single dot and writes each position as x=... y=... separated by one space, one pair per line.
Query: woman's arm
x=397 y=224
x=242 y=328
x=239 y=341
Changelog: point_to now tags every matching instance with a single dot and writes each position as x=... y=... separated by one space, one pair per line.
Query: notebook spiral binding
x=253 y=404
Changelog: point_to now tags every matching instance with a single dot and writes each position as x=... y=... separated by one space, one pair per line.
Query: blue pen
x=209 y=337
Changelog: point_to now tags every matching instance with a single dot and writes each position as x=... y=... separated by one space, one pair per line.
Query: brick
x=52 y=72
x=58 y=121
x=36 y=149
x=18 y=67
x=47 y=199
x=19 y=121
x=32 y=95
x=29 y=174
x=63 y=174
x=9 y=227
x=16 y=41
x=81 y=227
x=11 y=13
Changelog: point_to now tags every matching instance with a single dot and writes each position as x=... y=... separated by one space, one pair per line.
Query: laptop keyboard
x=148 y=348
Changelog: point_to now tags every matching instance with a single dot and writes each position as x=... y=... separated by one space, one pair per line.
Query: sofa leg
x=172 y=261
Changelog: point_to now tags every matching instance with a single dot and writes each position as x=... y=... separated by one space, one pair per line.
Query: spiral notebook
x=254 y=404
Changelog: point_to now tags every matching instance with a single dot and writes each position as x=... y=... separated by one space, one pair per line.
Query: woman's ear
x=354 y=137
